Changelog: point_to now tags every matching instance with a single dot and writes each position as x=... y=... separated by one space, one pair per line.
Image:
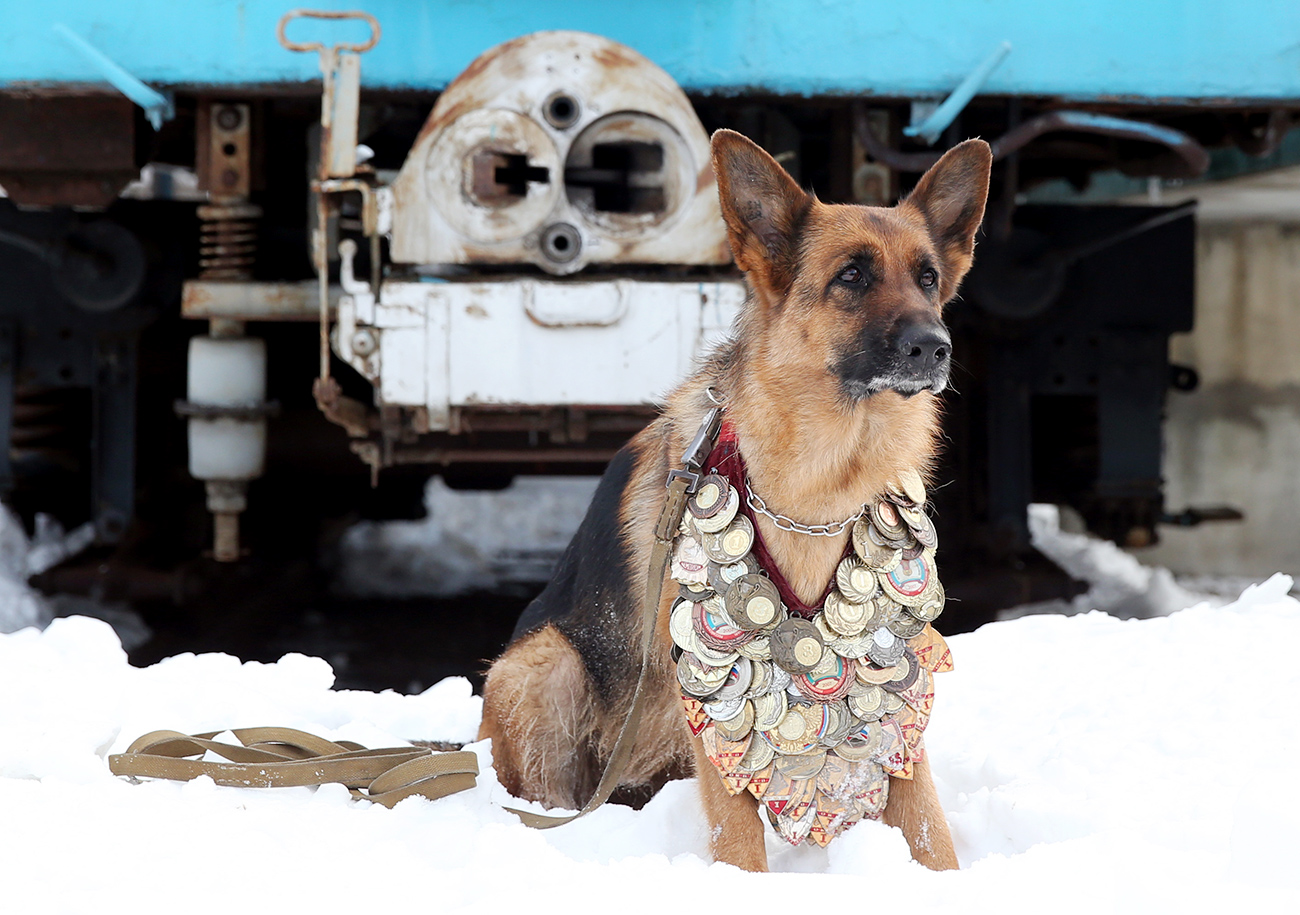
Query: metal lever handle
x=327 y=14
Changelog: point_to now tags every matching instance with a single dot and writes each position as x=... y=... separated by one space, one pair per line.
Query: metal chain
x=785 y=523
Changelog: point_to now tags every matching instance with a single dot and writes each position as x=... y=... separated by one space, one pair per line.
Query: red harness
x=726 y=460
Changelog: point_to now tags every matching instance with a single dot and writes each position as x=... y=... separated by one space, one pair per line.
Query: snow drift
x=1086 y=764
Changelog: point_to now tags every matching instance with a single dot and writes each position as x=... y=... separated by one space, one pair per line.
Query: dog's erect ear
x=951 y=197
x=762 y=207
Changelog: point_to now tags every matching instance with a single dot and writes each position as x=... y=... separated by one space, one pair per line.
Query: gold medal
x=717 y=522
x=856 y=582
x=730 y=545
x=847 y=619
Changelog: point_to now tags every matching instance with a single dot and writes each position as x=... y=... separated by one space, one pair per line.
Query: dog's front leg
x=914 y=808
x=735 y=827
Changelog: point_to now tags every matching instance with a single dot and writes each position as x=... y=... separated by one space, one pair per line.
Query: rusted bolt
x=229 y=117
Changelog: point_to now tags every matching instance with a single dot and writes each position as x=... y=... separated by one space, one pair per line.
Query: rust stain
x=617 y=57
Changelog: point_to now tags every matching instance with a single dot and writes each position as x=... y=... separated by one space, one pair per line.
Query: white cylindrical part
x=227 y=371
x=227 y=449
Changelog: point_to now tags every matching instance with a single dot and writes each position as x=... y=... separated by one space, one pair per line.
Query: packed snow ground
x=1086 y=764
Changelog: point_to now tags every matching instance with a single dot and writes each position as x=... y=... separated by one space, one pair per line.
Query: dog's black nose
x=925 y=347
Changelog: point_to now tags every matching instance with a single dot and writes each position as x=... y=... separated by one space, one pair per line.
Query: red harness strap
x=726 y=460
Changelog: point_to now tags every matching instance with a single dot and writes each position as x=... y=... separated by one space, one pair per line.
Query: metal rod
x=157 y=107
x=933 y=126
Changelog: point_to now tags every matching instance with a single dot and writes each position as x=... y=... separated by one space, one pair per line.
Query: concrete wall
x=1236 y=439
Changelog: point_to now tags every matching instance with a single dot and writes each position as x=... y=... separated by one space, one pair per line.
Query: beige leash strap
x=284 y=757
x=681 y=483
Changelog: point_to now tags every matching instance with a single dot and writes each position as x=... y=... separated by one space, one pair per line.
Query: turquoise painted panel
x=1134 y=49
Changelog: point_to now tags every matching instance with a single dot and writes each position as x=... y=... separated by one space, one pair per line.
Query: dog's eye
x=928 y=278
x=851 y=276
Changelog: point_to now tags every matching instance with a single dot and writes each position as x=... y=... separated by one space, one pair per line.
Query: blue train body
x=1141 y=50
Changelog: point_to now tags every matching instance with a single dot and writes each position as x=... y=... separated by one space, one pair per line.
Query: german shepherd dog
x=830 y=384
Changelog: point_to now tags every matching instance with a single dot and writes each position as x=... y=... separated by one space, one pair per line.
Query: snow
x=470 y=540
x=1086 y=763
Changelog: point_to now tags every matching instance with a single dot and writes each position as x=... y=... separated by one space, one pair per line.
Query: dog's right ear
x=762 y=207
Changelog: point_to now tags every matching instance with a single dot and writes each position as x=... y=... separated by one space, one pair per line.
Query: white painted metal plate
x=531 y=343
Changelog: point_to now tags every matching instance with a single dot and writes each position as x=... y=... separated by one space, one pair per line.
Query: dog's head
x=852 y=291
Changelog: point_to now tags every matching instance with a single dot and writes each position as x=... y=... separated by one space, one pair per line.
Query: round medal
x=905 y=625
x=769 y=709
x=754 y=602
x=760 y=679
x=730 y=545
x=829 y=680
x=906 y=670
x=760 y=649
x=845 y=618
x=870 y=705
x=874 y=675
x=856 y=582
x=707 y=655
x=738 y=679
x=795 y=733
x=715 y=629
x=693 y=592
x=699 y=679
x=759 y=755
x=928 y=611
x=738 y=728
x=721 y=576
x=885 y=647
x=710 y=496
x=884 y=515
x=863 y=743
x=725 y=709
x=680 y=625
x=724 y=517
x=796 y=645
x=689 y=562
x=877 y=556
x=911 y=583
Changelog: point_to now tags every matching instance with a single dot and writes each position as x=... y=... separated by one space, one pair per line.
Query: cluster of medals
x=810 y=714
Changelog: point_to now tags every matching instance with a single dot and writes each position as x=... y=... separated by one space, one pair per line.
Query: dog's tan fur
x=813 y=453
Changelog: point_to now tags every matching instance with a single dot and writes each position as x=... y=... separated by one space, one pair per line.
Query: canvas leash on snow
x=284 y=757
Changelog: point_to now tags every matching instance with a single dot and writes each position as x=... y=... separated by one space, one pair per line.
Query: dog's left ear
x=762 y=207
x=951 y=197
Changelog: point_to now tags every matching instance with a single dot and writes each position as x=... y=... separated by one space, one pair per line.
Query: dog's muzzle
x=917 y=358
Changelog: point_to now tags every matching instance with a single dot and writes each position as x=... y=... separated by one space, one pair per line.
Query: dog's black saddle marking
x=588 y=598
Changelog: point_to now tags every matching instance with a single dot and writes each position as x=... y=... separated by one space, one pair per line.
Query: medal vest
x=810 y=709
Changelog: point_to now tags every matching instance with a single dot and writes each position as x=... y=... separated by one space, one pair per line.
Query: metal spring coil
x=227 y=240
